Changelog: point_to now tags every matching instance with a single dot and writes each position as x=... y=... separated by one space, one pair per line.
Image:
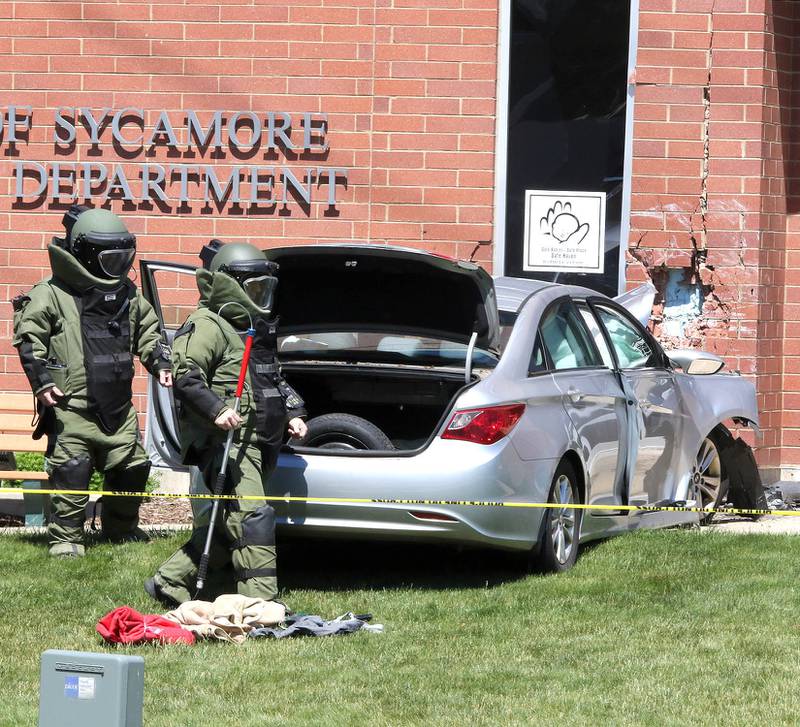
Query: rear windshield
x=381 y=347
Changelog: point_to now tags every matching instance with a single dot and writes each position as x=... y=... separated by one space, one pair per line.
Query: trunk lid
x=384 y=290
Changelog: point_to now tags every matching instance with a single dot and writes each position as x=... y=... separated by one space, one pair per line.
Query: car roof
x=513 y=292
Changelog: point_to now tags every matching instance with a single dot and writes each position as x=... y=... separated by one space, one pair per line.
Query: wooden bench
x=16 y=414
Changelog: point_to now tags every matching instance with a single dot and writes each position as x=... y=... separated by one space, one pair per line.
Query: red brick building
x=424 y=123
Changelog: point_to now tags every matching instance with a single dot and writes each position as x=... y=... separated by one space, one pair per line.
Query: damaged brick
x=686 y=304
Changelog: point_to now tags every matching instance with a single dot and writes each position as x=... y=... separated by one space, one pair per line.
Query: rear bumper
x=446 y=470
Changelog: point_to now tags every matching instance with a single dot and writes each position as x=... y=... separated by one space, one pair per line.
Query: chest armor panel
x=264 y=377
x=106 y=337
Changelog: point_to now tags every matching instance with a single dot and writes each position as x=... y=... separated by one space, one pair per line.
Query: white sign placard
x=564 y=231
x=86 y=687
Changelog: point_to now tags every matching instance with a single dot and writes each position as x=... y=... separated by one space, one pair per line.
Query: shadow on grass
x=343 y=565
x=352 y=565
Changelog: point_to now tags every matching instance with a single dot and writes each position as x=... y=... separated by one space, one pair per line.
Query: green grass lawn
x=658 y=628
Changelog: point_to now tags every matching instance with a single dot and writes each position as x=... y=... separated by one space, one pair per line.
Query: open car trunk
x=379 y=333
x=406 y=404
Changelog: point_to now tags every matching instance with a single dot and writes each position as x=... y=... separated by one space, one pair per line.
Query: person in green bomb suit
x=237 y=285
x=76 y=333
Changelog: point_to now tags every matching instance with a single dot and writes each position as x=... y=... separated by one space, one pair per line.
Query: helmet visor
x=261 y=290
x=116 y=263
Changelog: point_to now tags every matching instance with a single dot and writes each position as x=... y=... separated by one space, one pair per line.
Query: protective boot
x=120 y=515
x=65 y=529
x=176 y=578
x=157 y=593
x=253 y=552
x=67 y=550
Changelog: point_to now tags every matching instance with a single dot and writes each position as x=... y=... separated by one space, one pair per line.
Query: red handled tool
x=219 y=485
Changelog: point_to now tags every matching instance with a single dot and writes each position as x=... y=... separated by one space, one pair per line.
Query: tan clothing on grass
x=229 y=618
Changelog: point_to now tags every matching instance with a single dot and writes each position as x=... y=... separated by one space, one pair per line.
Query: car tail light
x=484 y=426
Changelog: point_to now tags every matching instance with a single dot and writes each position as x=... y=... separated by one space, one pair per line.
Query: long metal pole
x=219 y=485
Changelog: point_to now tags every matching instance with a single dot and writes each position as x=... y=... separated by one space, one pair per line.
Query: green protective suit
x=61 y=328
x=207 y=356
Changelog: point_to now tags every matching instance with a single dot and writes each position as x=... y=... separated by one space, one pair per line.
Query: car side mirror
x=696 y=363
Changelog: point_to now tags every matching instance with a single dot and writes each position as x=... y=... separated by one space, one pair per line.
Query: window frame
x=539 y=338
x=582 y=304
x=595 y=303
x=547 y=367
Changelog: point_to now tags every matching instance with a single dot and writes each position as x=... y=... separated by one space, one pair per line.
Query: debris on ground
x=775 y=503
x=784 y=495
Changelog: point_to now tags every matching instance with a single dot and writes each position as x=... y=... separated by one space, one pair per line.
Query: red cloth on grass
x=124 y=625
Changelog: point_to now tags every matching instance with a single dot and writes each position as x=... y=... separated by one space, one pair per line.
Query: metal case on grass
x=82 y=689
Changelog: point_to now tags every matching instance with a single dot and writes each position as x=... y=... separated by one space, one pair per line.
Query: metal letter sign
x=205 y=145
x=564 y=231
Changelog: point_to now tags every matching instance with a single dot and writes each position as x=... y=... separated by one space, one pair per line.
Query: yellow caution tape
x=398 y=501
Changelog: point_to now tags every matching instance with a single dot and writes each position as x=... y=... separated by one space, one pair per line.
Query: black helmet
x=247 y=265
x=100 y=241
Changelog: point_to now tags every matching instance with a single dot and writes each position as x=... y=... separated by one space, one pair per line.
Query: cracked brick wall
x=712 y=156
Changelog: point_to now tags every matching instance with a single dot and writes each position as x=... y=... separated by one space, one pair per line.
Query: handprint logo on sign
x=564 y=226
x=564 y=231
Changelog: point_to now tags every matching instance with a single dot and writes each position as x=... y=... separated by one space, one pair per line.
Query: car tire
x=709 y=478
x=741 y=483
x=344 y=432
x=558 y=544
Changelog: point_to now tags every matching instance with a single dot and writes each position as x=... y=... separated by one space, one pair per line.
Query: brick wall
x=774 y=354
x=408 y=88
x=711 y=151
x=786 y=220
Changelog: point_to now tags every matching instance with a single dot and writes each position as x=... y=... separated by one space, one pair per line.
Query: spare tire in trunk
x=406 y=403
x=343 y=431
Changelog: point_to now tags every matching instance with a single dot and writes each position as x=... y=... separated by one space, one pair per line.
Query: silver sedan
x=427 y=380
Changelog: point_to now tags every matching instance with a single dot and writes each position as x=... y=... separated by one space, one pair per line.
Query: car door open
x=170 y=288
x=654 y=409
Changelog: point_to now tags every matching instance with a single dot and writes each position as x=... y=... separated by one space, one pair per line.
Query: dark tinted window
x=567 y=92
x=538 y=361
x=566 y=339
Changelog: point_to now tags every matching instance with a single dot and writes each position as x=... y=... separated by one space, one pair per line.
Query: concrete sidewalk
x=767 y=524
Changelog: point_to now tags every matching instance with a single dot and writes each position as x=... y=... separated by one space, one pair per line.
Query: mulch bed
x=165 y=511
x=11 y=521
x=154 y=511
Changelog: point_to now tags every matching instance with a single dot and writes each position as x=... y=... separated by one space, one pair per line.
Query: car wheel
x=344 y=432
x=558 y=546
x=708 y=478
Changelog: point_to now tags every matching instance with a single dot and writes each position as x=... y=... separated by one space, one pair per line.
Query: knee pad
x=258 y=528
x=132 y=479
x=74 y=474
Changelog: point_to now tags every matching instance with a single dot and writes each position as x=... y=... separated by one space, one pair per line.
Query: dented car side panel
x=711 y=400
